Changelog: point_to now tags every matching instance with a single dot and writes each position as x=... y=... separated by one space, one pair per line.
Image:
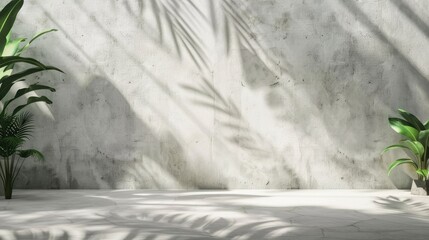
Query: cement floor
x=145 y=214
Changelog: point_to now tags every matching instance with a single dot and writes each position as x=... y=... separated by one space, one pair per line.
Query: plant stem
x=424 y=158
x=7 y=182
x=8 y=189
x=7 y=176
x=2 y=173
x=15 y=175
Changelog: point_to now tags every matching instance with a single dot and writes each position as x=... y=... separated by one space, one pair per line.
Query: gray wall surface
x=178 y=94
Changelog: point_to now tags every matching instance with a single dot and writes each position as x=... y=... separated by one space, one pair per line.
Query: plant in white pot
x=16 y=126
x=416 y=144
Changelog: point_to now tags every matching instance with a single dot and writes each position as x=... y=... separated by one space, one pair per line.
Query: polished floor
x=143 y=214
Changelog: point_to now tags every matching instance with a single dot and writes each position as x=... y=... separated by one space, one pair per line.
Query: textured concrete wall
x=225 y=94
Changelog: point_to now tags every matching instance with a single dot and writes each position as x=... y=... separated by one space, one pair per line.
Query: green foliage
x=14 y=131
x=417 y=143
x=411 y=119
x=7 y=19
x=400 y=162
x=404 y=128
x=16 y=127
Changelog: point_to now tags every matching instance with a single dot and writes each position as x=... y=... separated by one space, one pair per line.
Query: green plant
x=15 y=47
x=15 y=127
x=416 y=143
x=14 y=131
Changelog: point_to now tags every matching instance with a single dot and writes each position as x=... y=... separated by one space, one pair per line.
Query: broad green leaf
x=7 y=19
x=6 y=61
x=423 y=172
x=5 y=87
x=8 y=36
x=401 y=121
x=400 y=162
x=23 y=49
x=424 y=139
x=31 y=100
x=395 y=146
x=5 y=72
x=427 y=125
x=31 y=88
x=16 y=76
x=12 y=47
x=10 y=50
x=416 y=147
x=415 y=122
x=402 y=127
x=8 y=81
x=30 y=153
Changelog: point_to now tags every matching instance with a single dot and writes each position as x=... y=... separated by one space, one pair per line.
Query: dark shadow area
x=404 y=205
x=107 y=142
x=234 y=128
x=405 y=8
x=152 y=215
x=419 y=78
x=325 y=99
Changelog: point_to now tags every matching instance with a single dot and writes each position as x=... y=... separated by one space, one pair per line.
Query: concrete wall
x=225 y=94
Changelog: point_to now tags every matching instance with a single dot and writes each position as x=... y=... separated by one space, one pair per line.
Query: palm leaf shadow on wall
x=176 y=16
x=326 y=94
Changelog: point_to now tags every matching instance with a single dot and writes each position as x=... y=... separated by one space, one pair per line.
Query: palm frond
x=25 y=125
x=19 y=126
x=8 y=145
x=30 y=153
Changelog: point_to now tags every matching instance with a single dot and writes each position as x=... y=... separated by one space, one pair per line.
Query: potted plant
x=416 y=143
x=15 y=125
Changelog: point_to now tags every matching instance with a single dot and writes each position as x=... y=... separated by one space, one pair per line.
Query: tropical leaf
x=23 y=91
x=34 y=38
x=395 y=146
x=31 y=100
x=7 y=19
x=6 y=126
x=423 y=172
x=416 y=147
x=424 y=140
x=404 y=128
x=26 y=72
x=16 y=126
x=400 y=162
x=12 y=47
x=5 y=71
x=23 y=125
x=8 y=81
x=8 y=60
x=8 y=145
x=427 y=125
x=30 y=153
x=415 y=122
x=5 y=87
